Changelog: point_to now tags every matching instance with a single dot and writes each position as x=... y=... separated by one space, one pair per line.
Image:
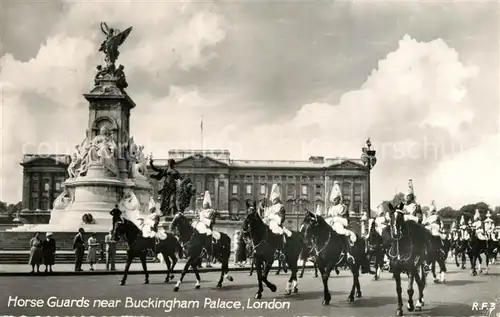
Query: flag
x=201 y=124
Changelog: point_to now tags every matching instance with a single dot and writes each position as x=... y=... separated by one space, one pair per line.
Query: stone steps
x=23 y=258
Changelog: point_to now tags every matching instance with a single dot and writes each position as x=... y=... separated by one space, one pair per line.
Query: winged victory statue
x=114 y=38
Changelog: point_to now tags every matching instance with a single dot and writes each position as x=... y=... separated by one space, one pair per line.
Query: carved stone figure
x=63 y=200
x=137 y=160
x=121 y=81
x=103 y=150
x=114 y=39
x=100 y=74
x=79 y=159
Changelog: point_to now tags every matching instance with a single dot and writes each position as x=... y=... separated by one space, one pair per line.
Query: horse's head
x=397 y=220
x=124 y=229
x=252 y=218
x=311 y=225
x=180 y=224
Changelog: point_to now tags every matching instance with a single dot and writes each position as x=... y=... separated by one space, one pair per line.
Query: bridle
x=397 y=238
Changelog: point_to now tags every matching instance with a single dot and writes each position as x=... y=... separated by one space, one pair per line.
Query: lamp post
x=369 y=160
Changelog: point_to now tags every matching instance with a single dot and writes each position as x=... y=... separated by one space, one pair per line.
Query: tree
x=448 y=212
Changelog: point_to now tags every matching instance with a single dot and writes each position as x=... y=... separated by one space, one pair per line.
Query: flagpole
x=201 y=135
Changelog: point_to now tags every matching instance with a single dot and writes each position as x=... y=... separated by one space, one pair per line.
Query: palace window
x=357 y=192
x=46 y=186
x=235 y=189
x=249 y=189
x=34 y=186
x=58 y=186
x=290 y=189
x=304 y=189
x=198 y=187
x=318 y=190
x=262 y=189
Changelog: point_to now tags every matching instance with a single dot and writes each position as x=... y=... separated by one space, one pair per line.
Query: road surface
x=454 y=298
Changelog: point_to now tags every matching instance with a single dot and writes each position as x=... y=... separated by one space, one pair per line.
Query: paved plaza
x=454 y=298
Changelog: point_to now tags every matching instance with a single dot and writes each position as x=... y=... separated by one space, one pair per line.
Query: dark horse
x=405 y=243
x=440 y=247
x=375 y=250
x=196 y=245
x=306 y=254
x=328 y=248
x=476 y=248
x=138 y=246
x=265 y=244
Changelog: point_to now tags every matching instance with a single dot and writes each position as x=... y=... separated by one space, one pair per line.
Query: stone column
x=52 y=190
x=26 y=190
x=216 y=193
x=40 y=191
x=353 y=183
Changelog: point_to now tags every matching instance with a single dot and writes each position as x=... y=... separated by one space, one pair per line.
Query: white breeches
x=481 y=235
x=207 y=222
x=338 y=224
x=203 y=228
x=277 y=229
x=411 y=217
x=147 y=232
x=434 y=229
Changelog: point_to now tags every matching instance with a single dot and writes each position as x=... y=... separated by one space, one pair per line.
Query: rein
x=397 y=239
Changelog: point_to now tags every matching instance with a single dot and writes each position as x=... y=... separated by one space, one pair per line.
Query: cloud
x=42 y=105
x=413 y=106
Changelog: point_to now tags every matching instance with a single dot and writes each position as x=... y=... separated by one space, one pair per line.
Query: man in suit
x=110 y=251
x=79 y=249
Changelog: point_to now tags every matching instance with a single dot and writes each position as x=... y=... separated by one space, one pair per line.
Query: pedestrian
x=79 y=249
x=49 y=251
x=36 y=255
x=241 y=255
x=110 y=251
x=92 y=251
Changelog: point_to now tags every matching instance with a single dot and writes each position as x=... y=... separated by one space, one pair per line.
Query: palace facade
x=304 y=184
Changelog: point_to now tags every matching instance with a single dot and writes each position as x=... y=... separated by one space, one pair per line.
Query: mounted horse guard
x=206 y=220
x=275 y=217
x=434 y=224
x=337 y=219
x=478 y=227
x=380 y=222
x=438 y=253
x=489 y=227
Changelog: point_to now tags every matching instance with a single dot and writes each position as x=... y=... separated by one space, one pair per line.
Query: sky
x=272 y=80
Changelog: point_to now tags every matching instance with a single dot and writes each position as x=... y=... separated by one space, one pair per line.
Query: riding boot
x=347 y=251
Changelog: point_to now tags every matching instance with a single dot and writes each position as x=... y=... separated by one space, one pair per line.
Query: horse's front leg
x=169 y=265
x=304 y=261
x=442 y=269
x=410 y=291
x=130 y=258
x=292 y=284
x=472 y=259
x=479 y=261
x=174 y=262
x=355 y=282
x=258 y=267
x=420 y=285
x=396 y=273
x=463 y=260
x=267 y=268
x=325 y=275
x=189 y=262
x=224 y=260
x=144 y=267
x=196 y=274
x=433 y=270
